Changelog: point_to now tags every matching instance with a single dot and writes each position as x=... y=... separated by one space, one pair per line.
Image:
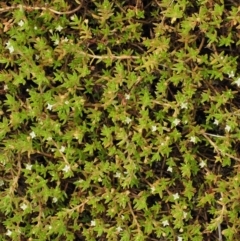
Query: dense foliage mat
x=119 y=120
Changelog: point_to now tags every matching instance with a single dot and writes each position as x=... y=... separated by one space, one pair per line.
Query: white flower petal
x=175 y=196
x=93 y=223
x=165 y=223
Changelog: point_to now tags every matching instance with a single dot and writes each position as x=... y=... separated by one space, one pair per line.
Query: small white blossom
x=119 y=229
x=62 y=149
x=5 y=87
x=20 y=23
x=184 y=215
x=29 y=167
x=11 y=49
x=66 y=168
x=93 y=223
x=165 y=223
x=179 y=238
x=127 y=96
x=59 y=28
x=23 y=206
x=66 y=102
x=1 y=183
x=35 y=28
x=202 y=164
x=54 y=200
x=118 y=175
x=99 y=179
x=175 y=196
x=51 y=31
x=153 y=189
x=237 y=82
x=128 y=120
x=49 y=106
x=216 y=122
x=65 y=40
x=180 y=230
x=49 y=138
x=228 y=128
x=193 y=139
x=184 y=105
x=9 y=233
x=122 y=217
x=37 y=56
x=154 y=128
x=169 y=169
x=176 y=122
x=231 y=74
x=72 y=17
x=32 y=134
x=56 y=42
x=49 y=227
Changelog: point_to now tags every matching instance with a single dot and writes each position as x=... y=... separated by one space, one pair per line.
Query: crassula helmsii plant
x=120 y=120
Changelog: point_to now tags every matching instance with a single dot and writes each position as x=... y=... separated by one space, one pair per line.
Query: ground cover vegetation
x=119 y=120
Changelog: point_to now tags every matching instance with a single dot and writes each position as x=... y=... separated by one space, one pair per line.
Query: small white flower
x=127 y=96
x=122 y=217
x=49 y=106
x=32 y=134
x=184 y=105
x=1 y=183
x=37 y=56
x=62 y=149
x=237 y=82
x=216 y=122
x=29 y=167
x=9 y=233
x=128 y=120
x=59 y=28
x=193 y=139
x=153 y=189
x=54 y=200
x=65 y=40
x=66 y=168
x=180 y=230
x=35 y=28
x=23 y=206
x=66 y=102
x=228 y=128
x=56 y=42
x=117 y=175
x=176 y=122
x=20 y=23
x=49 y=138
x=184 y=215
x=202 y=164
x=99 y=179
x=11 y=49
x=175 y=196
x=165 y=223
x=119 y=229
x=231 y=74
x=49 y=227
x=169 y=169
x=72 y=17
x=179 y=238
x=93 y=223
x=154 y=128
x=5 y=87
x=51 y=31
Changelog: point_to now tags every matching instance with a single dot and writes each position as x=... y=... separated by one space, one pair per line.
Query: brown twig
x=30 y=8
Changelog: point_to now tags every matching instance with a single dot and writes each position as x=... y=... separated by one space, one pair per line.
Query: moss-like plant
x=119 y=120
